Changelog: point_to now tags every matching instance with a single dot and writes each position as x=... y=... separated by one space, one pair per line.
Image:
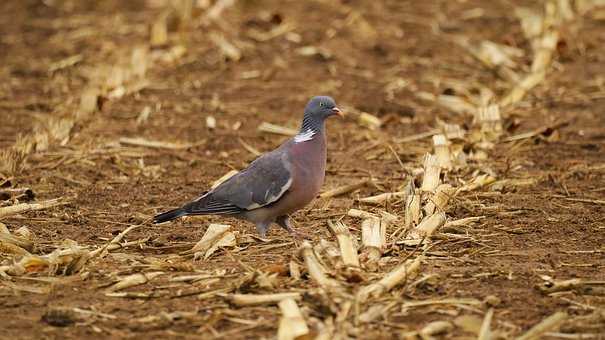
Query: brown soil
x=528 y=231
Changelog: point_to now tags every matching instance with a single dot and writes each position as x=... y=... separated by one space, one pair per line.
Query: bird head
x=322 y=107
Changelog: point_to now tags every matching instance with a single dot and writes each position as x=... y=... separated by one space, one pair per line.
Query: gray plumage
x=277 y=183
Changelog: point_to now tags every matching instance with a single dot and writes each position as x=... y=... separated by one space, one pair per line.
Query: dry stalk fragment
x=292 y=323
x=154 y=144
x=435 y=328
x=21 y=241
x=442 y=151
x=316 y=271
x=382 y=198
x=439 y=199
x=432 y=171
x=373 y=237
x=133 y=280
x=579 y=285
x=412 y=211
x=25 y=207
x=546 y=325
x=395 y=277
x=476 y=183
x=217 y=235
x=294 y=270
x=261 y=299
x=360 y=214
x=484 y=332
x=428 y=226
x=228 y=49
x=348 y=252
x=369 y=120
x=344 y=189
x=276 y=129
x=456 y=104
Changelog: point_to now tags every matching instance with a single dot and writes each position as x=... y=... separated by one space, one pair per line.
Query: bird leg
x=262 y=229
x=284 y=222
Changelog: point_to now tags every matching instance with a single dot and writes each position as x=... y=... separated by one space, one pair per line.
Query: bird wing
x=263 y=182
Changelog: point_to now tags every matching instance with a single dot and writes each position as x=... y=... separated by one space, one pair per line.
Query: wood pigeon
x=277 y=183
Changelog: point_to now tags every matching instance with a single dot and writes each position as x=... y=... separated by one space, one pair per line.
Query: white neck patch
x=304 y=136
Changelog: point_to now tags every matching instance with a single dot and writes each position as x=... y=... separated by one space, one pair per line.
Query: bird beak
x=337 y=111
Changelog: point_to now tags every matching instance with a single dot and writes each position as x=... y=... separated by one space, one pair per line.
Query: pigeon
x=276 y=184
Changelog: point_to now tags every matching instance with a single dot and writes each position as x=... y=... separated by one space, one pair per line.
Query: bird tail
x=169 y=215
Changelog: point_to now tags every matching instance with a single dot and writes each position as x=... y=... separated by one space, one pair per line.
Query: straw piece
x=11 y=248
x=139 y=141
x=276 y=129
x=545 y=48
x=489 y=119
x=360 y=214
x=416 y=137
x=476 y=183
x=456 y=104
x=348 y=252
x=484 y=332
x=382 y=198
x=544 y=326
x=442 y=151
x=102 y=251
x=581 y=286
x=25 y=207
x=452 y=131
x=432 y=171
x=261 y=299
x=159 y=31
x=229 y=50
x=395 y=277
x=214 y=13
x=217 y=235
x=314 y=268
x=369 y=120
x=439 y=199
x=294 y=270
x=20 y=239
x=373 y=237
x=428 y=226
x=434 y=328
x=463 y=221
x=412 y=211
x=133 y=280
x=344 y=189
x=292 y=324
x=521 y=89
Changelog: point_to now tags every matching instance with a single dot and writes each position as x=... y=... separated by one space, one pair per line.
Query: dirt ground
x=371 y=56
